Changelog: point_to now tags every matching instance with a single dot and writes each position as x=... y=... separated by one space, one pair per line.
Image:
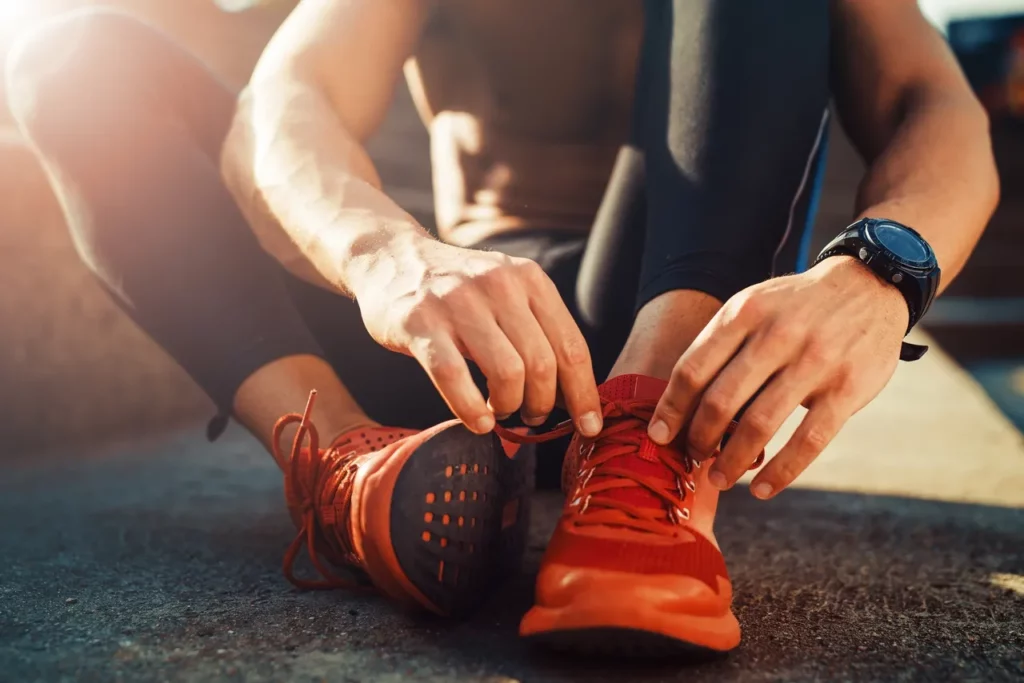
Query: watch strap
x=911 y=352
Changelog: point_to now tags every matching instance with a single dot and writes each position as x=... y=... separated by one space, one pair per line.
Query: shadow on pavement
x=163 y=563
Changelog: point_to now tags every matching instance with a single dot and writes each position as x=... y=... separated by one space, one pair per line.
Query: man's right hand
x=296 y=164
x=442 y=304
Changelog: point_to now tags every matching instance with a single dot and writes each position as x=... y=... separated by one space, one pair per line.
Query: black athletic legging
x=730 y=117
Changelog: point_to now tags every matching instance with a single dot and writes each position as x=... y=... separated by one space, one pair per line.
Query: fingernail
x=762 y=490
x=484 y=424
x=658 y=431
x=717 y=479
x=535 y=421
x=590 y=424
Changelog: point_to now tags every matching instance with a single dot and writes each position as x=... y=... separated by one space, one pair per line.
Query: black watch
x=898 y=255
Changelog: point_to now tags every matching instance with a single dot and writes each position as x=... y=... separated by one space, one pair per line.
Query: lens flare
x=15 y=11
x=18 y=15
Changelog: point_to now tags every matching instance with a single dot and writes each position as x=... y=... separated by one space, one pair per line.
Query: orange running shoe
x=434 y=519
x=633 y=566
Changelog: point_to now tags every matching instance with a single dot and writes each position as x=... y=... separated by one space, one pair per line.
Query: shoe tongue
x=625 y=387
x=644 y=460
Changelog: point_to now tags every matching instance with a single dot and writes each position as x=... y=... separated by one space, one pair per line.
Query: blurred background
x=73 y=368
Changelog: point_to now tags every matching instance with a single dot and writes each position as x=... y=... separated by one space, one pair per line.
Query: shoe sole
x=620 y=621
x=460 y=515
x=625 y=643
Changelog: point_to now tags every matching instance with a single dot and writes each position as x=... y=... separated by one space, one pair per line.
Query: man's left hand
x=828 y=339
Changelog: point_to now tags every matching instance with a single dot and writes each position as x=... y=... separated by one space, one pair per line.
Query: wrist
x=898 y=255
x=375 y=257
x=851 y=275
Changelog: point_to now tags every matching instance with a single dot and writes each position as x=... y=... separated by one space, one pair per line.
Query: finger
x=541 y=366
x=697 y=367
x=486 y=344
x=821 y=424
x=733 y=388
x=763 y=418
x=449 y=372
x=575 y=368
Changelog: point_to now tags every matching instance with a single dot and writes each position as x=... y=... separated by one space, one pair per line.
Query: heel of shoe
x=449 y=519
x=517 y=477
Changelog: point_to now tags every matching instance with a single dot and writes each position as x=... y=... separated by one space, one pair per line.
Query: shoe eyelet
x=685 y=513
x=586 y=449
x=691 y=486
x=585 y=476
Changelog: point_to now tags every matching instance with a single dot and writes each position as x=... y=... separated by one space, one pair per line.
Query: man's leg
x=731 y=118
x=130 y=127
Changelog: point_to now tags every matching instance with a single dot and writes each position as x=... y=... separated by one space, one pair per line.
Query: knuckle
x=729 y=466
x=784 y=473
x=700 y=438
x=688 y=375
x=760 y=424
x=748 y=305
x=501 y=281
x=716 y=404
x=786 y=332
x=531 y=272
x=415 y=311
x=536 y=408
x=542 y=366
x=818 y=352
x=412 y=320
x=847 y=391
x=815 y=440
x=848 y=381
x=444 y=370
x=503 y=405
x=461 y=295
x=509 y=371
x=575 y=351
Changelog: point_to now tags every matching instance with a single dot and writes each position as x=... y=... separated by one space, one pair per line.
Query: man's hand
x=828 y=339
x=442 y=304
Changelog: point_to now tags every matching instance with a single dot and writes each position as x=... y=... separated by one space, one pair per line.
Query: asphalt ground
x=161 y=562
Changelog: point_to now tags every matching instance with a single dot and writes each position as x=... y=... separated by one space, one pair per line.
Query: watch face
x=903 y=244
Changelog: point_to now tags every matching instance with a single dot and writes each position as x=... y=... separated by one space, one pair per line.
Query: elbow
x=990 y=183
x=248 y=161
x=972 y=118
x=237 y=155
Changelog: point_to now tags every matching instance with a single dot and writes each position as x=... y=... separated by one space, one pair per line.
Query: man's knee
x=64 y=64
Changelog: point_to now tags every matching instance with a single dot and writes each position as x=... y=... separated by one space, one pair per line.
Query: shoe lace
x=625 y=433
x=317 y=482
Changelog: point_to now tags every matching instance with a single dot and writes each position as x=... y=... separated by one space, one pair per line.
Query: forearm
x=936 y=174
x=308 y=187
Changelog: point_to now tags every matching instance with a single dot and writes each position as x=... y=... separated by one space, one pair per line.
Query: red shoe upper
x=632 y=505
x=318 y=490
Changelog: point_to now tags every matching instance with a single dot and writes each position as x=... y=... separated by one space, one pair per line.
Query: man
x=709 y=118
